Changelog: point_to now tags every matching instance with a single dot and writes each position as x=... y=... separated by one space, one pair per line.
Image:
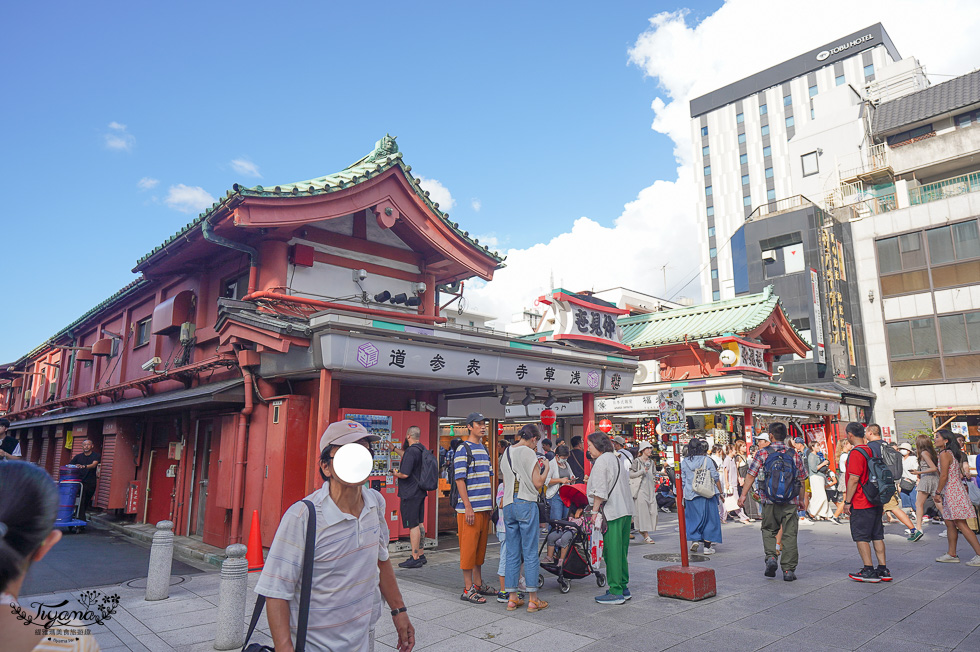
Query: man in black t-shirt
x=411 y=497
x=9 y=446
x=89 y=460
x=576 y=460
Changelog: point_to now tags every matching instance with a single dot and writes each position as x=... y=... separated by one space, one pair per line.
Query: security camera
x=780 y=369
x=150 y=364
x=359 y=274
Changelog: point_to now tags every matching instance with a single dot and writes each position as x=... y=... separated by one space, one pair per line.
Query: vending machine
x=387 y=452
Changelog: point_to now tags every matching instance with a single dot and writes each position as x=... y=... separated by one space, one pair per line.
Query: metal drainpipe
x=207 y=230
x=71 y=366
x=239 y=474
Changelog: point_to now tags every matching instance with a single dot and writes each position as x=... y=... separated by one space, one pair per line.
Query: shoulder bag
x=604 y=524
x=304 y=595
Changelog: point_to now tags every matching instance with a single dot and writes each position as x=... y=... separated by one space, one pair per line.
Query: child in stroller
x=572 y=538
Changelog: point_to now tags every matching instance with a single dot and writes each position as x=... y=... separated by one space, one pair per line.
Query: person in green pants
x=609 y=488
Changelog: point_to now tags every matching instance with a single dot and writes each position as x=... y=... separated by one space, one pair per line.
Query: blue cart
x=69 y=500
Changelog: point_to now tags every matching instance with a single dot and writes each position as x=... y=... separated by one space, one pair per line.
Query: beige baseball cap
x=345 y=432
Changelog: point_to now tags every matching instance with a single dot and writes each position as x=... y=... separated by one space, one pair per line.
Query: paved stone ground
x=929 y=606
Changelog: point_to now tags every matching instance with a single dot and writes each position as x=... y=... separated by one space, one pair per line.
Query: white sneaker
x=944 y=534
x=974 y=562
x=908 y=531
x=946 y=558
x=694 y=547
x=709 y=551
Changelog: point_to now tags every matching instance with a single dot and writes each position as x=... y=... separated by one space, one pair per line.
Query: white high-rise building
x=764 y=141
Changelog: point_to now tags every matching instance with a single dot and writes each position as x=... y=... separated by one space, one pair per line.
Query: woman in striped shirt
x=28 y=506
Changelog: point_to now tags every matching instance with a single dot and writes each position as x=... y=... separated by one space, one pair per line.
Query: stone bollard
x=161 y=561
x=230 y=633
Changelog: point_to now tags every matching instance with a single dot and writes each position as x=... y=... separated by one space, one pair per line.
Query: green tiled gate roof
x=729 y=317
x=384 y=157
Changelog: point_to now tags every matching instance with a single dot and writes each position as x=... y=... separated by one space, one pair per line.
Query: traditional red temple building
x=206 y=382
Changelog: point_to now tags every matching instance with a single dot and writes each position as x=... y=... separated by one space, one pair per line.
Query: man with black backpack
x=892 y=457
x=869 y=486
x=781 y=474
x=417 y=476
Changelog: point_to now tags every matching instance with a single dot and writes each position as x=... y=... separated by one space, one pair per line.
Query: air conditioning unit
x=769 y=256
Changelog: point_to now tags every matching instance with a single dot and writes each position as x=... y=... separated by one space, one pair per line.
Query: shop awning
x=225 y=392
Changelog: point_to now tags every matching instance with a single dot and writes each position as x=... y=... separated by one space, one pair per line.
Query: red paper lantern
x=500 y=428
x=606 y=426
x=548 y=417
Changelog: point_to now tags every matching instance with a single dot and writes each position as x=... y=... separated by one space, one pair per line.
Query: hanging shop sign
x=818 y=343
x=748 y=356
x=579 y=319
x=401 y=358
x=780 y=402
x=535 y=409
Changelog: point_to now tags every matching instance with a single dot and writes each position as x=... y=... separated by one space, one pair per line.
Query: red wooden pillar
x=831 y=443
x=747 y=412
x=588 y=425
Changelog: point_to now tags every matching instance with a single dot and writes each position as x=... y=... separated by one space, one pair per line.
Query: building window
x=953 y=259
x=839 y=80
x=707 y=170
x=740 y=118
x=915 y=353
x=743 y=159
x=911 y=134
x=707 y=190
x=747 y=200
x=966 y=119
x=704 y=131
x=711 y=211
x=813 y=90
x=745 y=179
x=704 y=151
x=716 y=296
x=789 y=121
x=765 y=130
x=810 y=165
x=787 y=100
x=766 y=151
x=770 y=195
x=769 y=173
x=813 y=115
x=711 y=231
x=763 y=109
x=142 y=332
x=869 y=70
x=714 y=273
x=901 y=264
x=712 y=253
x=741 y=138
x=235 y=288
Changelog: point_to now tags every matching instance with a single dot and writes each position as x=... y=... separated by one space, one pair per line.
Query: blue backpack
x=781 y=484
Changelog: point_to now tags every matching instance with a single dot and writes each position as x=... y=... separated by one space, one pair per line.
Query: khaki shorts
x=473 y=539
x=892 y=504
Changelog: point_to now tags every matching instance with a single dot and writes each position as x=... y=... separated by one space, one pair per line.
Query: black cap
x=475 y=416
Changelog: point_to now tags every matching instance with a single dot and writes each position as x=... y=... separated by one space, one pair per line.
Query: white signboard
x=817 y=330
x=576 y=319
x=779 y=402
x=673 y=419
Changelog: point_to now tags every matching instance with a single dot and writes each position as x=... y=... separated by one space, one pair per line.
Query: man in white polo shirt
x=351 y=549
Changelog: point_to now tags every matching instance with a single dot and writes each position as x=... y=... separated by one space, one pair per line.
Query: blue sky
x=561 y=130
x=530 y=111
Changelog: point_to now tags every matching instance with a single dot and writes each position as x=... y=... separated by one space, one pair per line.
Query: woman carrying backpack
x=702 y=486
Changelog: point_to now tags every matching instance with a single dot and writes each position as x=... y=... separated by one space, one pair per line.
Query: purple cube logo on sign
x=367 y=355
x=593 y=379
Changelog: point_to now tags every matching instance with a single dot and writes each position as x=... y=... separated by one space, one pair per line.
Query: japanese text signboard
x=749 y=356
x=673 y=419
x=578 y=319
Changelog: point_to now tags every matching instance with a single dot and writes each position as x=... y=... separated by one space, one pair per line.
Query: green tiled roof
x=730 y=317
x=384 y=157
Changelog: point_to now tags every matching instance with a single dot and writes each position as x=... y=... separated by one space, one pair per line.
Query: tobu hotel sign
x=847 y=45
x=418 y=360
x=577 y=318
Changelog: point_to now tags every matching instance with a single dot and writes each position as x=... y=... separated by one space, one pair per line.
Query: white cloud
x=687 y=60
x=438 y=193
x=245 y=167
x=147 y=183
x=118 y=138
x=188 y=199
x=476 y=204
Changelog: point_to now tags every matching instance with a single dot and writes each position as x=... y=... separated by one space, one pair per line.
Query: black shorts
x=866 y=524
x=413 y=511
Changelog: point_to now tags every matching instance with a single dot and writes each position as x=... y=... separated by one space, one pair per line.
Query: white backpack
x=703 y=486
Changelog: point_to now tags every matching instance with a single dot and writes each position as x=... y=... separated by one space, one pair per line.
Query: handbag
x=306 y=589
x=603 y=524
x=702 y=484
x=905 y=485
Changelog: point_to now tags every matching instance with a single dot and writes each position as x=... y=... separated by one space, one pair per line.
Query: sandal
x=548 y=560
x=648 y=540
x=534 y=606
x=512 y=605
x=471 y=595
x=485 y=589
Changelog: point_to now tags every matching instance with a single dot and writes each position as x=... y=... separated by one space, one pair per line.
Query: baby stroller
x=578 y=563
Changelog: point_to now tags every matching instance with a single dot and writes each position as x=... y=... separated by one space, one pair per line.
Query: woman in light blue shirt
x=701 y=512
